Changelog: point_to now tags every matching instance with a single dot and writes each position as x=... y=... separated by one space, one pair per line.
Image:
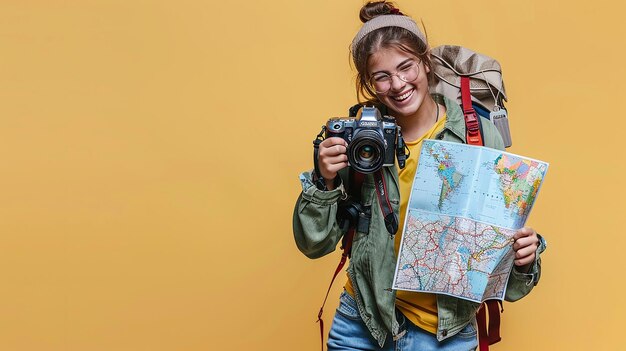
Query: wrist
x=327 y=184
x=330 y=183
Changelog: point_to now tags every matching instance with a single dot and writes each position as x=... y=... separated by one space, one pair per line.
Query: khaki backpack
x=451 y=63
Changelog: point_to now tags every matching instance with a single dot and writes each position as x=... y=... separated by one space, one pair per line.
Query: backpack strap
x=342 y=262
x=473 y=132
x=356 y=181
x=489 y=335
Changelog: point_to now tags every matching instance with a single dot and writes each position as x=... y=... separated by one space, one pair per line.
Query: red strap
x=489 y=335
x=357 y=181
x=472 y=128
x=344 y=255
x=342 y=262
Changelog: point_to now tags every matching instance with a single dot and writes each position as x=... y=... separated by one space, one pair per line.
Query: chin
x=406 y=112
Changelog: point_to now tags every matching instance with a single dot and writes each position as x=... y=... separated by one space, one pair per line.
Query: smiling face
x=403 y=97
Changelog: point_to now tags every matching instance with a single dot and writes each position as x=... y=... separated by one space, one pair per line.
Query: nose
x=397 y=83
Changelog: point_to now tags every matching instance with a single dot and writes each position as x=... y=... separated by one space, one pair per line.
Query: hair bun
x=377 y=8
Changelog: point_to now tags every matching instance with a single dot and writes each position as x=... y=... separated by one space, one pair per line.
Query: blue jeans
x=348 y=332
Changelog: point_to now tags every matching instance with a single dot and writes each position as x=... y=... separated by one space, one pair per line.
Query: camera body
x=373 y=140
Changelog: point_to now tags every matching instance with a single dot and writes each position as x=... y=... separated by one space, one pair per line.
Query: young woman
x=392 y=58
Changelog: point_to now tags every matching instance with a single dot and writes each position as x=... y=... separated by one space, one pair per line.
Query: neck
x=416 y=125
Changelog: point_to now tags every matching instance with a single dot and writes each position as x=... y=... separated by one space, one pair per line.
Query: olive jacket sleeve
x=315 y=227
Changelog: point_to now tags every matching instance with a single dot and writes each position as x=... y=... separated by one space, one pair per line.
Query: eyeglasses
x=408 y=72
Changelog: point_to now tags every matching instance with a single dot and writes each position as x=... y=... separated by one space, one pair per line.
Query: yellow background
x=150 y=152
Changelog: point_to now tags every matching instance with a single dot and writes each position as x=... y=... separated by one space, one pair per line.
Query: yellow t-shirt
x=419 y=308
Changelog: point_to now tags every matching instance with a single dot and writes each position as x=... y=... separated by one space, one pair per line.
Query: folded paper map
x=465 y=206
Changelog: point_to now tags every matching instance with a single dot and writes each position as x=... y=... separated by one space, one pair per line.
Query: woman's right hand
x=332 y=158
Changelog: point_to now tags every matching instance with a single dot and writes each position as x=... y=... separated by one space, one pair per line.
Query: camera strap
x=316 y=151
x=391 y=220
x=354 y=189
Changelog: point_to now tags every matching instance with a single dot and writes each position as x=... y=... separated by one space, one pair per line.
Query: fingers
x=525 y=261
x=528 y=241
x=524 y=256
x=332 y=157
x=525 y=244
x=524 y=232
x=333 y=146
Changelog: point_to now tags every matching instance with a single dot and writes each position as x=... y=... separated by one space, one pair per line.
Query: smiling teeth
x=403 y=96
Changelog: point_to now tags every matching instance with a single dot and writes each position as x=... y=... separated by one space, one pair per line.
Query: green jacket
x=373 y=260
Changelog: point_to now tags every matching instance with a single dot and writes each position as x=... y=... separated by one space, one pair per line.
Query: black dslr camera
x=373 y=140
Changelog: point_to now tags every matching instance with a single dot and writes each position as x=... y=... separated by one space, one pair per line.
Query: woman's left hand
x=525 y=244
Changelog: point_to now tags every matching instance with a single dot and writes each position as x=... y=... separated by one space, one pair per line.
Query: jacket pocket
x=469 y=331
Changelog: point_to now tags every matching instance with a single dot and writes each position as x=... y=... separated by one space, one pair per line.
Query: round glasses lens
x=382 y=86
x=410 y=74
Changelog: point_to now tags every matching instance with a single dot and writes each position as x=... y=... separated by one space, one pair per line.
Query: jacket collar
x=455 y=122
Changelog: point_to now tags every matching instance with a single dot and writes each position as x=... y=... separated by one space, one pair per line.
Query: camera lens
x=365 y=152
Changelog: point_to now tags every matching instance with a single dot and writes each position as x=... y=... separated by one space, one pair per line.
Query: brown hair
x=380 y=38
